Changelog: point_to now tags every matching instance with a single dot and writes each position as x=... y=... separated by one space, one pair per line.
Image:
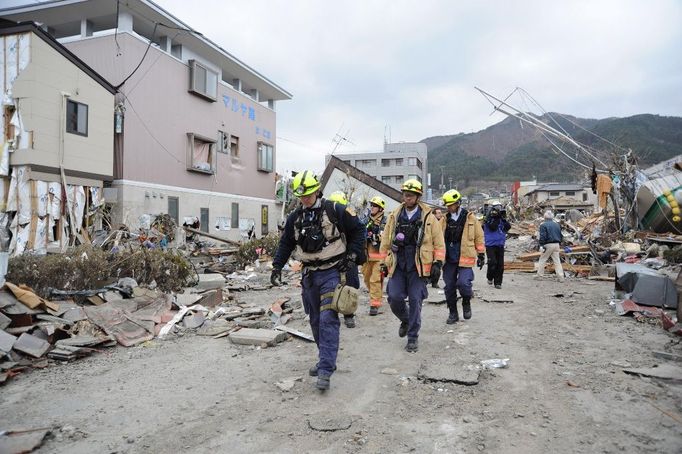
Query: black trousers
x=495 y=263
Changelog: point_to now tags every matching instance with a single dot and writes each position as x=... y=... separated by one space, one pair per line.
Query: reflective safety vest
x=319 y=243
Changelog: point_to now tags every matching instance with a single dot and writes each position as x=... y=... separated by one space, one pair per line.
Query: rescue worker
x=464 y=247
x=370 y=270
x=352 y=277
x=550 y=245
x=495 y=230
x=328 y=239
x=413 y=247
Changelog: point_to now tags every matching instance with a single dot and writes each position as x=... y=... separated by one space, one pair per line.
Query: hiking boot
x=402 y=331
x=412 y=346
x=349 y=321
x=490 y=282
x=374 y=310
x=498 y=286
x=453 y=317
x=466 y=308
x=313 y=371
x=322 y=382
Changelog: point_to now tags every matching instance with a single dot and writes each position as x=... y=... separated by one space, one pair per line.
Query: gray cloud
x=413 y=65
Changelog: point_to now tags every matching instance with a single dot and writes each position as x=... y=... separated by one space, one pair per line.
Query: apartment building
x=195 y=127
x=397 y=163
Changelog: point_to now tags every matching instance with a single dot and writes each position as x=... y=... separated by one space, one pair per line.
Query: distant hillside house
x=196 y=127
x=566 y=195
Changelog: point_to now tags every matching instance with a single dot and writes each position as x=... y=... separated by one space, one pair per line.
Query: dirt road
x=564 y=389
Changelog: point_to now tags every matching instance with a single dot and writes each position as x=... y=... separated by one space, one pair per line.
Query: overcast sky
x=358 y=66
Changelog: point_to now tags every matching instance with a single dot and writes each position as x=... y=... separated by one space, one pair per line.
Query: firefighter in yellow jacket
x=370 y=270
x=413 y=244
x=464 y=248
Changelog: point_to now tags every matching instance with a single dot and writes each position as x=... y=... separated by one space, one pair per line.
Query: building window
x=203 y=219
x=399 y=162
x=419 y=164
x=414 y=177
x=554 y=193
x=201 y=156
x=584 y=197
x=366 y=162
x=76 y=118
x=411 y=161
x=571 y=193
x=265 y=152
x=386 y=179
x=223 y=142
x=385 y=163
x=174 y=208
x=234 y=146
x=202 y=81
x=235 y=216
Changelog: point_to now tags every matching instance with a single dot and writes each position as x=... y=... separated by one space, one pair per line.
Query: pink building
x=195 y=127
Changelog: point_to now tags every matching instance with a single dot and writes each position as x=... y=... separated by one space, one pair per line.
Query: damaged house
x=195 y=127
x=58 y=132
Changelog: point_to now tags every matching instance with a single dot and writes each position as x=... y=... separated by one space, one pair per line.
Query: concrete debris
x=21 y=441
x=31 y=345
x=248 y=336
x=665 y=372
x=210 y=281
x=7 y=341
x=287 y=384
x=293 y=332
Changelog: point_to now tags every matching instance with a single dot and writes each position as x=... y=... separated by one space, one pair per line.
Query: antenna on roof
x=340 y=139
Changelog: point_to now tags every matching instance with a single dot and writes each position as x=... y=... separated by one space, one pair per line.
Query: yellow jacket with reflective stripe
x=472 y=240
x=431 y=249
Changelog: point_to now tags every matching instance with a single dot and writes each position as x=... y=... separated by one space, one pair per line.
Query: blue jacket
x=498 y=236
x=348 y=224
x=550 y=232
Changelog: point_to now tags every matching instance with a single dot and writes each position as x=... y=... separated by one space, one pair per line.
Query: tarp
x=646 y=286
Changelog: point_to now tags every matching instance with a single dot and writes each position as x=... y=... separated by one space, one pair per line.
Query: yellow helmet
x=305 y=183
x=412 y=185
x=378 y=201
x=338 y=197
x=451 y=196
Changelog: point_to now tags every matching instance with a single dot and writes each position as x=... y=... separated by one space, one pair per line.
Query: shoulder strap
x=330 y=209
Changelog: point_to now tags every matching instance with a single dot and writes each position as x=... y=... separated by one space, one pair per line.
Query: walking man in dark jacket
x=495 y=230
x=550 y=245
x=328 y=239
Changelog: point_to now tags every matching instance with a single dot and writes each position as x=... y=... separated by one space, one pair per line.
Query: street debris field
x=152 y=349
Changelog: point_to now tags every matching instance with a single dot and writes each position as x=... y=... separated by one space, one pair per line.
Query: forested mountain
x=510 y=150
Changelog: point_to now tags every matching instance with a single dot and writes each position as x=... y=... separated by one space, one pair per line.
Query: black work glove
x=480 y=261
x=276 y=277
x=435 y=271
x=383 y=269
x=347 y=262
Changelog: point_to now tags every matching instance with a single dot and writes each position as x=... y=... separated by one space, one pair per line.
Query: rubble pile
x=644 y=266
x=70 y=324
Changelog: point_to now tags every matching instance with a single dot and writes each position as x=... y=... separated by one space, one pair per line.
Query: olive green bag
x=344 y=299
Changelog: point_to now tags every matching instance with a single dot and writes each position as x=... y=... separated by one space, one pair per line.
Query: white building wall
x=152 y=199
